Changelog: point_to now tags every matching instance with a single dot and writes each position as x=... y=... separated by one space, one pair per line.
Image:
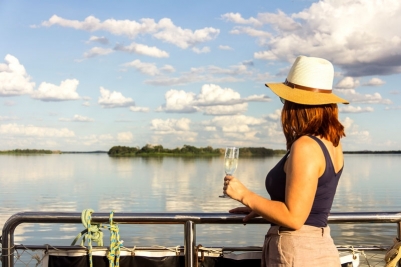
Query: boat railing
x=188 y=220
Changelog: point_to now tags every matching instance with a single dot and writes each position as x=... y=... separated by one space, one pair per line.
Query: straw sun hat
x=309 y=82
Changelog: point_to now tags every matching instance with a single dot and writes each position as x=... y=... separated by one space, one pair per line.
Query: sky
x=90 y=75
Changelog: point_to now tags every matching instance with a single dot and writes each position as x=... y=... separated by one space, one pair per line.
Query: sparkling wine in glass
x=230 y=161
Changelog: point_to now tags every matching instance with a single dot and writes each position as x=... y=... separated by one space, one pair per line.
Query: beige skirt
x=308 y=246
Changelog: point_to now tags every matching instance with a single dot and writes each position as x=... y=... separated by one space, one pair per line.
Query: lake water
x=74 y=182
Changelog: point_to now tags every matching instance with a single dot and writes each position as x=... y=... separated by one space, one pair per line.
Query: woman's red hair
x=319 y=120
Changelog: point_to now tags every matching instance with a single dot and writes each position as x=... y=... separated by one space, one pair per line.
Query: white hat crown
x=312 y=72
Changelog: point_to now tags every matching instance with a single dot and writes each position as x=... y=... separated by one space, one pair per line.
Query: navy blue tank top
x=326 y=188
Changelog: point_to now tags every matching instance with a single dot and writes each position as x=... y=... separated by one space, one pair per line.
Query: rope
x=354 y=251
x=366 y=258
x=91 y=233
x=175 y=249
x=212 y=250
x=115 y=243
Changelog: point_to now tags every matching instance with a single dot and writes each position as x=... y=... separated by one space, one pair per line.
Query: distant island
x=30 y=151
x=187 y=150
x=373 y=152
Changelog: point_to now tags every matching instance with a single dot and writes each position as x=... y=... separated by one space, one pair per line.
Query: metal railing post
x=7 y=253
x=399 y=238
x=189 y=243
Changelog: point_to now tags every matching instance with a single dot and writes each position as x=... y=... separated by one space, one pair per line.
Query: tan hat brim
x=300 y=96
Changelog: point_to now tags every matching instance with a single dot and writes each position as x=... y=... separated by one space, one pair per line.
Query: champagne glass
x=230 y=162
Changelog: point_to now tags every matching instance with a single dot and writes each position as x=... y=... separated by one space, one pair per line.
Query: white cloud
x=125 y=137
x=81 y=118
x=164 y=30
x=280 y=21
x=34 y=131
x=96 y=39
x=257 y=98
x=212 y=100
x=354 y=135
x=237 y=18
x=225 y=47
x=323 y=30
x=212 y=94
x=204 y=50
x=211 y=73
x=374 y=82
x=264 y=77
x=116 y=27
x=98 y=51
x=354 y=97
x=233 y=70
x=352 y=109
x=210 y=128
x=275 y=116
x=173 y=132
x=241 y=130
x=51 y=92
x=347 y=83
x=139 y=109
x=171 y=126
x=240 y=123
x=77 y=118
x=184 y=38
x=148 y=68
x=178 y=101
x=14 y=79
x=141 y=49
x=94 y=139
x=108 y=99
x=167 y=68
x=224 y=109
x=263 y=35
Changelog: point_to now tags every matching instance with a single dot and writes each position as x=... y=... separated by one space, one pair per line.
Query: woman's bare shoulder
x=306 y=152
x=305 y=144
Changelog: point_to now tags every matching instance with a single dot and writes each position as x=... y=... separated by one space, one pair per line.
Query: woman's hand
x=245 y=210
x=234 y=188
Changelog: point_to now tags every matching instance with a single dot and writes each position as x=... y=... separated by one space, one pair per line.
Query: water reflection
x=74 y=182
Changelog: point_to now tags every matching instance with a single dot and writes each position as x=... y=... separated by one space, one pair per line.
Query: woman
x=303 y=183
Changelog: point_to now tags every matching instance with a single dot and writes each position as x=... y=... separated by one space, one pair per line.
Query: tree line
x=373 y=152
x=29 y=151
x=188 y=150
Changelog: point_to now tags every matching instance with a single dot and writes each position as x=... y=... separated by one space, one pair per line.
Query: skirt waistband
x=305 y=230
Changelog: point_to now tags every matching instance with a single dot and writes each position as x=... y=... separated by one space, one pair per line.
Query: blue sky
x=88 y=75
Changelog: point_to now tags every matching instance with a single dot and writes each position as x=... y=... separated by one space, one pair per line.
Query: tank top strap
x=329 y=161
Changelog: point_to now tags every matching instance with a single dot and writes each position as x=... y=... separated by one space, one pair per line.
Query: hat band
x=297 y=86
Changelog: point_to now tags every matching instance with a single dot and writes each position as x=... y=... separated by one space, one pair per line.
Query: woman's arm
x=303 y=168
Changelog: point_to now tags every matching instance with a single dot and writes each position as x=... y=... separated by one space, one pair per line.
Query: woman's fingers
x=235 y=189
x=241 y=210
x=250 y=216
x=228 y=178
